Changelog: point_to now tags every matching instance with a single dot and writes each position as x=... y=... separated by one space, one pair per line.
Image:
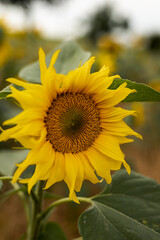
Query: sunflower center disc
x=72 y=123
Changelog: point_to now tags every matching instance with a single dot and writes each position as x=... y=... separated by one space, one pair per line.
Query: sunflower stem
x=20 y=192
x=48 y=210
x=9 y=193
x=36 y=205
x=6 y=178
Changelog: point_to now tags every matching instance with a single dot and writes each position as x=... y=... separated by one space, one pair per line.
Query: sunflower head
x=71 y=126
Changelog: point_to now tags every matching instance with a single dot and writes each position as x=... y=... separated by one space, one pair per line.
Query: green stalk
x=37 y=216
x=48 y=210
x=6 y=178
x=8 y=194
x=36 y=209
x=17 y=189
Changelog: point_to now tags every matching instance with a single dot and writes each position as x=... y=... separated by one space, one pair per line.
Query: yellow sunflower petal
x=36 y=126
x=22 y=131
x=24 y=181
x=80 y=175
x=89 y=171
x=22 y=166
x=102 y=73
x=114 y=165
x=27 y=97
x=42 y=64
x=109 y=146
x=102 y=96
x=31 y=141
x=23 y=117
x=119 y=94
x=115 y=114
x=102 y=77
x=100 y=164
x=71 y=174
x=123 y=140
x=6 y=134
x=76 y=80
x=23 y=84
x=53 y=59
x=99 y=83
x=127 y=167
x=119 y=128
x=54 y=84
x=58 y=169
x=35 y=156
x=42 y=172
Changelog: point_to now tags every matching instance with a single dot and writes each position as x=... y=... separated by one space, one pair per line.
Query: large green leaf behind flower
x=127 y=209
x=9 y=158
x=70 y=57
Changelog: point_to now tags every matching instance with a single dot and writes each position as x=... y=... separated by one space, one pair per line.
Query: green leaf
x=140 y=192
x=135 y=185
x=1 y=183
x=4 y=92
x=70 y=57
x=102 y=222
x=52 y=231
x=144 y=92
x=129 y=208
x=8 y=160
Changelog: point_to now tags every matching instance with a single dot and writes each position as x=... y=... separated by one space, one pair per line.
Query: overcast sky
x=64 y=20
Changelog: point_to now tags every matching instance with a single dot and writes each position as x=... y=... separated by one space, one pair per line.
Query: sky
x=65 y=20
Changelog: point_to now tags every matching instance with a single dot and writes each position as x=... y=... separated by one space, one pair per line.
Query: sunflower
x=71 y=125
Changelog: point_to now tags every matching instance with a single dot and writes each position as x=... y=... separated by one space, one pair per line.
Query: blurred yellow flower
x=71 y=125
x=5 y=52
x=108 y=51
x=104 y=58
x=108 y=44
x=139 y=108
x=5 y=47
x=155 y=83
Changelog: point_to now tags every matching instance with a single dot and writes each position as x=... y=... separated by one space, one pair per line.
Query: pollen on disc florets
x=72 y=123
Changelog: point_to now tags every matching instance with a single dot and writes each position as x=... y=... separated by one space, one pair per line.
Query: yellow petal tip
x=41 y=51
x=127 y=167
x=73 y=197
